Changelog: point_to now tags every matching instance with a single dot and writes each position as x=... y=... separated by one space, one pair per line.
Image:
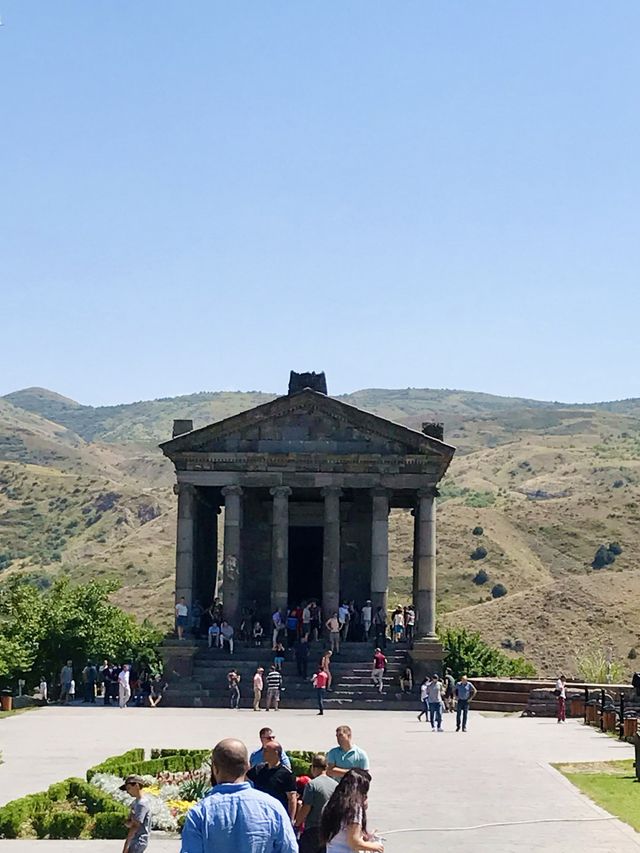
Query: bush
x=603 y=557
x=477 y=531
x=479 y=553
x=594 y=667
x=67 y=824
x=110 y=825
x=41 y=823
x=633 y=654
x=467 y=653
x=498 y=590
x=480 y=578
x=615 y=548
x=12 y=817
x=300 y=762
x=59 y=790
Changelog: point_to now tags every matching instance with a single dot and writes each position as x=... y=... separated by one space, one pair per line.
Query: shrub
x=477 y=531
x=110 y=825
x=194 y=789
x=603 y=557
x=633 y=654
x=12 y=817
x=59 y=790
x=67 y=824
x=615 y=548
x=41 y=823
x=300 y=762
x=498 y=590
x=479 y=553
x=467 y=653
x=480 y=577
x=594 y=667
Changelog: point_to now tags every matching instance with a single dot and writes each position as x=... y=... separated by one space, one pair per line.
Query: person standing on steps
x=182 y=617
x=320 y=680
x=302 y=656
x=317 y=794
x=366 y=615
x=258 y=687
x=561 y=699
x=325 y=666
x=333 y=627
x=465 y=691
x=434 y=698
x=380 y=627
x=377 y=671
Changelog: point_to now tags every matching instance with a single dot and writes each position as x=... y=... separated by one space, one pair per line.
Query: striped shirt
x=274 y=679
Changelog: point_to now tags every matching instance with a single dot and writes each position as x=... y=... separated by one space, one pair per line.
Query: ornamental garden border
x=74 y=808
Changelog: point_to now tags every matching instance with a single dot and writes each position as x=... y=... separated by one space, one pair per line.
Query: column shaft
x=184 y=541
x=426 y=599
x=331 y=552
x=280 y=548
x=231 y=564
x=380 y=548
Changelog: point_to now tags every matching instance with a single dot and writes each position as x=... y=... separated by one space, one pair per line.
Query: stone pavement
x=496 y=773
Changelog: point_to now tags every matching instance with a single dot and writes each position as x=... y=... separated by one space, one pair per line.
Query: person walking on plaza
x=66 y=677
x=124 y=691
x=258 y=687
x=343 y=825
x=377 y=669
x=465 y=691
x=89 y=679
x=435 y=700
x=317 y=794
x=139 y=821
x=274 y=685
x=320 y=681
x=333 y=627
x=235 y=817
x=424 y=699
x=182 y=617
x=449 y=689
x=233 y=680
x=561 y=699
x=346 y=755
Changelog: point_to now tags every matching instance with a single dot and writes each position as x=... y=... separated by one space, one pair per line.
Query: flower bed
x=176 y=781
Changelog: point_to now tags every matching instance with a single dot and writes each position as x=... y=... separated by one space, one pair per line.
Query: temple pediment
x=307 y=423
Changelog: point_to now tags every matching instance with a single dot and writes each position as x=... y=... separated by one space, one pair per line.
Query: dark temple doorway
x=305 y=564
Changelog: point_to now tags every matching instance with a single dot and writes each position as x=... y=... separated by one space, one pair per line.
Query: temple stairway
x=351 y=671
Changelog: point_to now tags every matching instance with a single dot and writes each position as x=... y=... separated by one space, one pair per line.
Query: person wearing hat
x=365 y=613
x=139 y=820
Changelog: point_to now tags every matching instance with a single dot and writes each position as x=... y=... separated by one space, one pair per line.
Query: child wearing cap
x=139 y=820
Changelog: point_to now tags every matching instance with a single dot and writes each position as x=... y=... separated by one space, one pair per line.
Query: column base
x=426 y=657
x=177 y=657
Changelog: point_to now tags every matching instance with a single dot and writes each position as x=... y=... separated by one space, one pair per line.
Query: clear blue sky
x=203 y=195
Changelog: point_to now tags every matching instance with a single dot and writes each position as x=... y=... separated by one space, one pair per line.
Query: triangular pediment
x=307 y=422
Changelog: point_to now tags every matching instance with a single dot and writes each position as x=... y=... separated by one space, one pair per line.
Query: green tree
x=45 y=628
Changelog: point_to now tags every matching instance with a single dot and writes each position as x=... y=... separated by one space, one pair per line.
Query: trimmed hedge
x=177 y=762
x=110 y=825
x=67 y=824
x=301 y=761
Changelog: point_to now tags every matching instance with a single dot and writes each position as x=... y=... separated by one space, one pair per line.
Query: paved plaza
x=429 y=784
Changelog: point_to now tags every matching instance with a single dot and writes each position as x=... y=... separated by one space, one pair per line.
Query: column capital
x=429 y=492
x=379 y=492
x=231 y=490
x=184 y=489
x=280 y=491
x=331 y=491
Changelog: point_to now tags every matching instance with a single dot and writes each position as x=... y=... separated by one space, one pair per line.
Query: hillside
x=84 y=490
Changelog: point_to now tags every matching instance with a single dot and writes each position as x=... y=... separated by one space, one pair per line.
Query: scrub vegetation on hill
x=548 y=493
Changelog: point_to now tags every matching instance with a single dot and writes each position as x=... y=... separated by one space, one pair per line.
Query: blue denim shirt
x=257 y=757
x=235 y=818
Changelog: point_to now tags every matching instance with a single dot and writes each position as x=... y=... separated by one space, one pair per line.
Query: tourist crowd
x=110 y=683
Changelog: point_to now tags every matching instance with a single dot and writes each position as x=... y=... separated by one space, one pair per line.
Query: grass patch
x=15 y=711
x=610 y=784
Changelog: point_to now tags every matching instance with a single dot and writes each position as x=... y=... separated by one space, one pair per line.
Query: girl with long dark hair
x=343 y=826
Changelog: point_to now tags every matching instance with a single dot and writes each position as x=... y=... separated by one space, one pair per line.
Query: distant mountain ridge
x=151 y=420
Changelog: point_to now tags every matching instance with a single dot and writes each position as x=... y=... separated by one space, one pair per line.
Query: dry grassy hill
x=85 y=491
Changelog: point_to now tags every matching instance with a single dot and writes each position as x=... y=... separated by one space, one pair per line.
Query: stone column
x=414 y=577
x=331 y=552
x=184 y=541
x=280 y=547
x=426 y=564
x=231 y=563
x=379 y=548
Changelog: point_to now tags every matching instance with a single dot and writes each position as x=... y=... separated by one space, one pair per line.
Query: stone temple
x=305 y=483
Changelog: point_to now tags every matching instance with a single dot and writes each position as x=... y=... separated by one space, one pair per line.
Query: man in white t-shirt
x=124 y=690
x=182 y=617
x=366 y=619
x=306 y=621
x=561 y=699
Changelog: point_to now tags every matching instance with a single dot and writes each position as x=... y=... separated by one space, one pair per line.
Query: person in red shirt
x=320 y=681
x=377 y=672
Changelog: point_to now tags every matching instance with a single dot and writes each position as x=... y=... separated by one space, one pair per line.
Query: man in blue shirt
x=465 y=691
x=266 y=737
x=234 y=817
